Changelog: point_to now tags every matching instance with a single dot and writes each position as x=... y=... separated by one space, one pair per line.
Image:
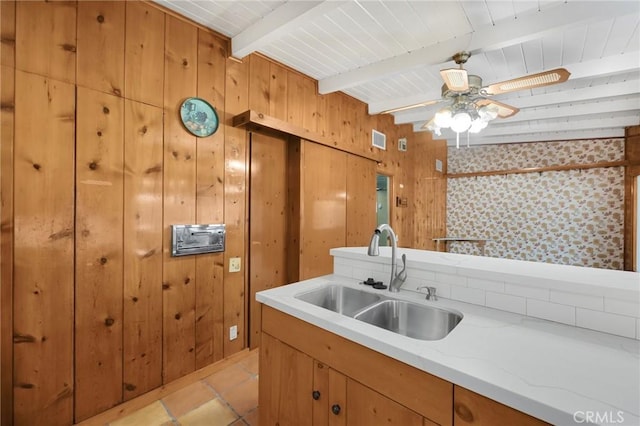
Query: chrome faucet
x=397 y=279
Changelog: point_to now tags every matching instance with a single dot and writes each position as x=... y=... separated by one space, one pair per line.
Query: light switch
x=234 y=264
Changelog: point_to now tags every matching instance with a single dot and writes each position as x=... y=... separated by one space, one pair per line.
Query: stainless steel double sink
x=399 y=316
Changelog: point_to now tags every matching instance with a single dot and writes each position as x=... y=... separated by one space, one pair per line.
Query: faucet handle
x=431 y=292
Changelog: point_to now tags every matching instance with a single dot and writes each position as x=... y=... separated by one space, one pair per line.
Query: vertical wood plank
x=277 y=91
x=310 y=107
x=179 y=200
x=142 y=298
x=259 y=84
x=235 y=154
x=294 y=209
x=43 y=251
x=334 y=118
x=285 y=384
x=361 y=200
x=338 y=395
x=321 y=406
x=8 y=33
x=295 y=99
x=367 y=407
x=323 y=223
x=99 y=244
x=268 y=227
x=322 y=115
x=7 y=107
x=210 y=202
x=144 y=53
x=100 y=52
x=46 y=38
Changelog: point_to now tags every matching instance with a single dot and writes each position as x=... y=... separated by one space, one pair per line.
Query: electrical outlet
x=233 y=332
x=234 y=264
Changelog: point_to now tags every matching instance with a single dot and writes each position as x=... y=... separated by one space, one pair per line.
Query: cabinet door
x=471 y=409
x=286 y=382
x=367 y=407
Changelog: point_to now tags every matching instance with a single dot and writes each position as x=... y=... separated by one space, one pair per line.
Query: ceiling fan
x=470 y=108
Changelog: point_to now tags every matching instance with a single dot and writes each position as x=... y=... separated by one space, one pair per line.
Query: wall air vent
x=378 y=139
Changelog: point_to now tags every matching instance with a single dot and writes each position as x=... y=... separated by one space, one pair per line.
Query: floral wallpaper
x=573 y=217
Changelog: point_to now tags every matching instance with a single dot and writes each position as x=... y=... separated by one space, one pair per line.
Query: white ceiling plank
x=551 y=99
x=527 y=27
x=573 y=110
x=281 y=21
x=540 y=137
x=586 y=70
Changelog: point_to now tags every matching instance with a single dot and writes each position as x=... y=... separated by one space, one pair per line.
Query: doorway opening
x=383 y=211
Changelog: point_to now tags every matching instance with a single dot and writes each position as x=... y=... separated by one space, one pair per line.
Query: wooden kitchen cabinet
x=293 y=386
x=305 y=371
x=472 y=409
x=297 y=358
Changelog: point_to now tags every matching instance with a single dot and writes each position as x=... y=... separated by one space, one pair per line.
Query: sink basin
x=344 y=300
x=411 y=319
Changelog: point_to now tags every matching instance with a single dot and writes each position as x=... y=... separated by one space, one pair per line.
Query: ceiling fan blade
x=456 y=79
x=545 y=78
x=404 y=108
x=504 y=110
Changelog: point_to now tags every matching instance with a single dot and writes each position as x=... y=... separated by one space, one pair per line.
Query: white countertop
x=542 y=368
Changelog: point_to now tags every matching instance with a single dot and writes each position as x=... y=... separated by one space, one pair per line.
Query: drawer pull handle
x=316 y=395
x=335 y=409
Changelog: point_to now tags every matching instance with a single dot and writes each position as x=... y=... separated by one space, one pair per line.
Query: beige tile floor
x=227 y=397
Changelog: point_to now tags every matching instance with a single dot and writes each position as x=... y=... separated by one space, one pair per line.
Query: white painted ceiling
x=388 y=54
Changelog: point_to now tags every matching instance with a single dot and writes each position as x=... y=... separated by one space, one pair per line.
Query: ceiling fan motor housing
x=475 y=84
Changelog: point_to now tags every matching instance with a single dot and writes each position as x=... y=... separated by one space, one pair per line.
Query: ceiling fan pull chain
x=457 y=140
x=467 y=139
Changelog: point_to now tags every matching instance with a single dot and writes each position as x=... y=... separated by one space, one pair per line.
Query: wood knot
x=185 y=62
x=26 y=385
x=187 y=157
x=187 y=280
x=36 y=166
x=109 y=322
x=105 y=110
x=117 y=92
x=135 y=299
x=177 y=316
x=166 y=286
x=463 y=412
x=93 y=165
x=99 y=133
x=175 y=154
x=103 y=260
x=100 y=18
x=69 y=47
x=143 y=130
x=130 y=387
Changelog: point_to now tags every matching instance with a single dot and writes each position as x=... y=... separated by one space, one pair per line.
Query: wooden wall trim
x=602 y=164
x=631 y=216
x=255 y=120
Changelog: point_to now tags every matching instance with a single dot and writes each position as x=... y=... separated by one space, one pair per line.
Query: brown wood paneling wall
x=43 y=252
x=179 y=201
x=85 y=244
x=99 y=256
x=7 y=107
x=142 y=294
x=212 y=56
x=100 y=50
x=323 y=207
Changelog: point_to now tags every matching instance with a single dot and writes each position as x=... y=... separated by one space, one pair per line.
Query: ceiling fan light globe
x=461 y=122
x=443 y=118
x=477 y=125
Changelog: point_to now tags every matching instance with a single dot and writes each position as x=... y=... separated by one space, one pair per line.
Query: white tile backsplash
x=604 y=321
x=506 y=302
x=469 y=295
x=566 y=294
x=488 y=285
x=574 y=299
x=551 y=311
x=457 y=280
x=622 y=307
x=525 y=291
